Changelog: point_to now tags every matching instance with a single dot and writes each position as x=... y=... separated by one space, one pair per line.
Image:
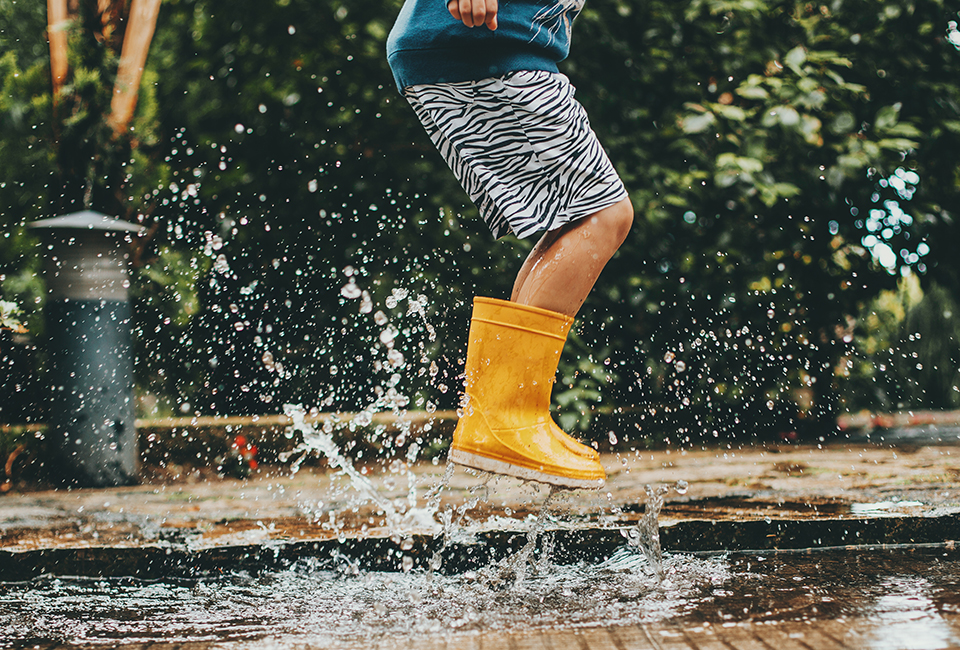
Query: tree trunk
x=57 y=22
x=136 y=43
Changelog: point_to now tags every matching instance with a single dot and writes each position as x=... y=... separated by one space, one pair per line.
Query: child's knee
x=617 y=220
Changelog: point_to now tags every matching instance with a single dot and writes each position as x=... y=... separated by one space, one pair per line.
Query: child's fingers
x=454 y=8
x=474 y=13
x=479 y=12
x=467 y=11
x=491 y=20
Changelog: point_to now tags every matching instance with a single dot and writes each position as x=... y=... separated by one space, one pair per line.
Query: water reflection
x=310 y=603
x=910 y=616
x=905 y=598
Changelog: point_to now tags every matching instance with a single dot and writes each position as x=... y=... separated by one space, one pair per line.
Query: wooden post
x=136 y=43
x=57 y=23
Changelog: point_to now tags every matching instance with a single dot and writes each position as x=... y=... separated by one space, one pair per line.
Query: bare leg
x=564 y=265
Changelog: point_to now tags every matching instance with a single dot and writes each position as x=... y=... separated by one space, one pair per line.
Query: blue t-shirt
x=427 y=45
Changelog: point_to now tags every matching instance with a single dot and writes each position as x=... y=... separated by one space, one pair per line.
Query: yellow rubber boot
x=505 y=426
x=549 y=324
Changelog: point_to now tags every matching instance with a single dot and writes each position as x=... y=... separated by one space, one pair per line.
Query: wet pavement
x=829 y=599
x=777 y=547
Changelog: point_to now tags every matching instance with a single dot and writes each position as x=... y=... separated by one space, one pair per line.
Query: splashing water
x=646 y=535
x=316 y=605
x=452 y=528
x=897 y=597
x=533 y=560
x=322 y=441
x=513 y=569
x=401 y=518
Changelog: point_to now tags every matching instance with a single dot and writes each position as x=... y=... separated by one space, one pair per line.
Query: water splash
x=645 y=536
x=513 y=569
x=402 y=515
x=453 y=531
x=323 y=442
x=318 y=604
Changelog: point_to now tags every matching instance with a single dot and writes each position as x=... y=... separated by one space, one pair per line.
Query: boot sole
x=485 y=464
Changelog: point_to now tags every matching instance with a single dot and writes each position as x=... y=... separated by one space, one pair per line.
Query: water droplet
x=350 y=290
x=388 y=335
x=363 y=418
x=366 y=303
x=395 y=357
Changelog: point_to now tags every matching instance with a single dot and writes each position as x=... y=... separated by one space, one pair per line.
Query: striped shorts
x=522 y=148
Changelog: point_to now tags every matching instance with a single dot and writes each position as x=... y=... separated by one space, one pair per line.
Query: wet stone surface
x=893 y=598
x=304 y=562
x=775 y=486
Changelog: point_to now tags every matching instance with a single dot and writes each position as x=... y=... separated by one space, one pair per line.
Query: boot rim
x=540 y=311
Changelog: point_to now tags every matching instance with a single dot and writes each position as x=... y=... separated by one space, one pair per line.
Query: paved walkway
x=739 y=485
x=809 y=635
x=753 y=498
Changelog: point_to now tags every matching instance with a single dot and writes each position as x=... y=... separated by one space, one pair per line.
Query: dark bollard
x=89 y=321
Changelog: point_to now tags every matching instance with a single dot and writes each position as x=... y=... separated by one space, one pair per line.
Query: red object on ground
x=247 y=451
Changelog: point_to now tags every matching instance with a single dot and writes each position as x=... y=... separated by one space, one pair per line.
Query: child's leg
x=512 y=357
x=564 y=265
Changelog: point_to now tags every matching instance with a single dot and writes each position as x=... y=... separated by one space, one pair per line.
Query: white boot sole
x=485 y=464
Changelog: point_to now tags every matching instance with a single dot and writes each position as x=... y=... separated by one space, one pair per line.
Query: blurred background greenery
x=793 y=165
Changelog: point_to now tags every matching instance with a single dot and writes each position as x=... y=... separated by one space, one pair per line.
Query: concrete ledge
x=784 y=498
x=590 y=545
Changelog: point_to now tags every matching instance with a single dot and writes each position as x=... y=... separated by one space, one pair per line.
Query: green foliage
x=582 y=383
x=25 y=165
x=10 y=317
x=755 y=137
x=61 y=156
x=908 y=351
x=786 y=160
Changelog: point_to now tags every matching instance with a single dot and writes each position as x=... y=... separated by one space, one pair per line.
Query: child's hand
x=474 y=13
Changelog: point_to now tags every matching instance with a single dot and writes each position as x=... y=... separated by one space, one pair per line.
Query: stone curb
x=590 y=545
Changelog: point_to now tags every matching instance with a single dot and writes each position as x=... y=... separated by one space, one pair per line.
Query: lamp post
x=89 y=332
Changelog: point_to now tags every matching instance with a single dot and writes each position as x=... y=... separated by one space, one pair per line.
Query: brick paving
x=742 y=485
x=810 y=635
x=898 y=495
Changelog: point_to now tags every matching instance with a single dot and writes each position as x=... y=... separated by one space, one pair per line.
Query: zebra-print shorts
x=522 y=148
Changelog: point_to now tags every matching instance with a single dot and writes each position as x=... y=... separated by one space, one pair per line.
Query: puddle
x=879 y=507
x=910 y=594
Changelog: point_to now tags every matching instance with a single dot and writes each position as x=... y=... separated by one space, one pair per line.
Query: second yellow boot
x=505 y=426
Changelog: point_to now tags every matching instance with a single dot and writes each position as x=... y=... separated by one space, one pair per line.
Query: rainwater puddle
x=911 y=597
x=884 y=507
